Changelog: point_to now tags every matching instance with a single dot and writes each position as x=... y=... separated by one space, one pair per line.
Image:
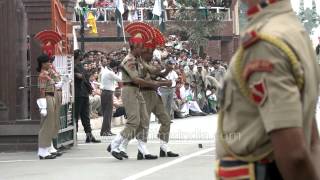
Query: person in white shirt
x=108 y=83
x=168 y=92
x=187 y=94
x=181 y=108
x=157 y=54
x=212 y=100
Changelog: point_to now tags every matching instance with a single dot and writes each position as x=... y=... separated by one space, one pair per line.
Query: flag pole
x=123 y=33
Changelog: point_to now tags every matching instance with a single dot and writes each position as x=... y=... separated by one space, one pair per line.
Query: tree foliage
x=196 y=23
x=243 y=19
x=309 y=17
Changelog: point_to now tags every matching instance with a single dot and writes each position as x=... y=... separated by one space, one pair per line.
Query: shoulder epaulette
x=126 y=60
x=249 y=39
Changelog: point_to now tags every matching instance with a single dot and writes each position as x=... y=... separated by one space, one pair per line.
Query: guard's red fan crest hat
x=48 y=36
x=140 y=32
x=159 y=37
x=48 y=41
x=150 y=44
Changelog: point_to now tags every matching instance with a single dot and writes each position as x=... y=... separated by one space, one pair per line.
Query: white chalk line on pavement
x=157 y=142
x=207 y=155
x=57 y=159
x=166 y=165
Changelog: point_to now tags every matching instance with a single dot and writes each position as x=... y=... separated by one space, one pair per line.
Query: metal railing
x=145 y=14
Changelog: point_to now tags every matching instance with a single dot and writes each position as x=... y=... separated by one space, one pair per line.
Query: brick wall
x=105 y=46
x=109 y=29
x=218 y=49
x=214 y=49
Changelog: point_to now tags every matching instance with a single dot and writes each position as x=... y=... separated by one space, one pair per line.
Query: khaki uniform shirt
x=131 y=68
x=54 y=74
x=283 y=106
x=150 y=71
x=46 y=83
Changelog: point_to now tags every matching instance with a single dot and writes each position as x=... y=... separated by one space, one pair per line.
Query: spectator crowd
x=104 y=10
x=195 y=80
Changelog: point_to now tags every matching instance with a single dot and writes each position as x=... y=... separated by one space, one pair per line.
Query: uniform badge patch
x=249 y=39
x=131 y=65
x=256 y=66
x=259 y=92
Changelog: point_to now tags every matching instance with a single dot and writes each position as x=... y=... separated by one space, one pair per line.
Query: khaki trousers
x=137 y=118
x=48 y=124
x=155 y=105
x=58 y=102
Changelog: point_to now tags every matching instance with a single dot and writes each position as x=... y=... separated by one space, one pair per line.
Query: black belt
x=147 y=89
x=49 y=93
x=263 y=169
x=164 y=87
x=130 y=84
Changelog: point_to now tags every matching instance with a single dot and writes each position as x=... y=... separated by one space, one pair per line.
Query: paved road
x=91 y=161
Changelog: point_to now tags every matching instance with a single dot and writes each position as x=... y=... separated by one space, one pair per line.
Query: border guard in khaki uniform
x=47 y=106
x=153 y=99
x=267 y=127
x=133 y=101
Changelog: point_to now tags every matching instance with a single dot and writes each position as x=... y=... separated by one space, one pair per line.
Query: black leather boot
x=122 y=153
x=109 y=148
x=140 y=156
x=168 y=154
x=51 y=156
x=57 y=154
x=116 y=155
x=91 y=138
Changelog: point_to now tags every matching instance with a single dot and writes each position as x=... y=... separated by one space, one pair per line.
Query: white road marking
x=168 y=164
x=37 y=160
x=207 y=155
x=157 y=142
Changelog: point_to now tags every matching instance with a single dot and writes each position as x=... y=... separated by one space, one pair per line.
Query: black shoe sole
x=124 y=155
x=116 y=155
x=168 y=154
x=140 y=156
x=57 y=154
x=172 y=155
x=47 y=157
x=162 y=154
x=150 y=157
x=109 y=148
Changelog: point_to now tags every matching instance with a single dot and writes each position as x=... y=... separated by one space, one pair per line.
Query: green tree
x=301 y=14
x=196 y=23
x=243 y=19
x=309 y=17
x=315 y=16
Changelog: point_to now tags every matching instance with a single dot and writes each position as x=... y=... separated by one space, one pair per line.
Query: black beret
x=43 y=58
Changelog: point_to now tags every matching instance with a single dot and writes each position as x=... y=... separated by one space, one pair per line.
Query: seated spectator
x=118 y=108
x=179 y=105
x=188 y=94
x=95 y=97
x=212 y=100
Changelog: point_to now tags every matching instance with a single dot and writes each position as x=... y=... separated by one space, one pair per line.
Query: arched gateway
x=19 y=116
